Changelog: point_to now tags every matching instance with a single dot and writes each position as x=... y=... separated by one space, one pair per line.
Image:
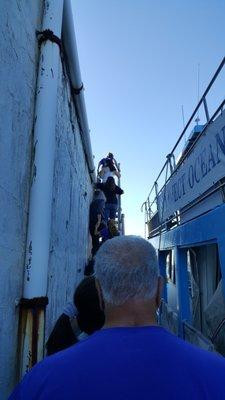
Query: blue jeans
x=110 y=211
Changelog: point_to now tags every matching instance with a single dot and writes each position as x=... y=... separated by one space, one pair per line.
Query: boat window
x=207 y=302
x=170 y=268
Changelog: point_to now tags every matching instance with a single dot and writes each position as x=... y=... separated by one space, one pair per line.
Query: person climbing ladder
x=110 y=190
x=108 y=167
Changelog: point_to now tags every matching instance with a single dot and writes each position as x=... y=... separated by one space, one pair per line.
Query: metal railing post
x=206 y=109
x=157 y=202
x=119 y=204
x=169 y=157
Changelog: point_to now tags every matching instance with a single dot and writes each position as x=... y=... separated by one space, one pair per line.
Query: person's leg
x=113 y=210
x=107 y=212
x=95 y=244
x=95 y=241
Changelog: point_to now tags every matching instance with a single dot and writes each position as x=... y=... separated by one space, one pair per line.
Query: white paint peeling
x=69 y=226
x=18 y=59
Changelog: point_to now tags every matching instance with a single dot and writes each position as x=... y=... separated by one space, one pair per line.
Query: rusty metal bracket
x=31 y=331
x=35 y=302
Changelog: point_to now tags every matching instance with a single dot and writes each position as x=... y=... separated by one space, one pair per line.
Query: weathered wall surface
x=72 y=186
x=71 y=199
x=18 y=66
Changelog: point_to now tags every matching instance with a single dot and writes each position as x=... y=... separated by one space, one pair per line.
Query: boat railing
x=192 y=335
x=155 y=223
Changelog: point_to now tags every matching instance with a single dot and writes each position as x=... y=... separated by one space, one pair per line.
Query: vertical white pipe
x=39 y=224
x=69 y=41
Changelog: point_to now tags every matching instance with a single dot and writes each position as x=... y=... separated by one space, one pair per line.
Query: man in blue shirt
x=131 y=357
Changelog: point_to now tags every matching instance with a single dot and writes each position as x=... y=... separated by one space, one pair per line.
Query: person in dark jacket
x=89 y=267
x=88 y=301
x=96 y=216
x=84 y=315
x=111 y=191
x=63 y=334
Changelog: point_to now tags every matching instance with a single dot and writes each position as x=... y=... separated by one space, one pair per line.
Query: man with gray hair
x=131 y=357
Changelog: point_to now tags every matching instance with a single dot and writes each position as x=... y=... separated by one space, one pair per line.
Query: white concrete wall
x=72 y=186
x=71 y=199
x=18 y=66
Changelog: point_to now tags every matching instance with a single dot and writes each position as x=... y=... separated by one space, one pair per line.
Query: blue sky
x=139 y=64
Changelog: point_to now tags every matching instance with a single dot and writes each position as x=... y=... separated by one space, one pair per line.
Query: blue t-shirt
x=124 y=364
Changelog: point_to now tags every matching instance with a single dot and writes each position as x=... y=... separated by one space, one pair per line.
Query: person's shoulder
x=209 y=368
x=119 y=190
x=209 y=358
x=103 y=162
x=51 y=369
x=99 y=185
x=203 y=360
x=59 y=359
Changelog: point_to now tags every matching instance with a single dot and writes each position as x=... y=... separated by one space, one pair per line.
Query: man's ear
x=159 y=291
x=100 y=296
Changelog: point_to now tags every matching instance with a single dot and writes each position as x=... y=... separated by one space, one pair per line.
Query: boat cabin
x=185 y=221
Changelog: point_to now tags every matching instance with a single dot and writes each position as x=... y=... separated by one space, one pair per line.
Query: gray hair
x=127 y=268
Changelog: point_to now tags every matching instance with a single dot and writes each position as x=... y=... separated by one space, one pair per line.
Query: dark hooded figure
x=96 y=216
x=85 y=315
x=111 y=191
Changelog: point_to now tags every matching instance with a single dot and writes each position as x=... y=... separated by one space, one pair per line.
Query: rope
x=47 y=34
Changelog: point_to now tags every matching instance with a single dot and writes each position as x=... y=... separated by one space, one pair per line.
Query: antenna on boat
x=198 y=80
x=182 y=111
